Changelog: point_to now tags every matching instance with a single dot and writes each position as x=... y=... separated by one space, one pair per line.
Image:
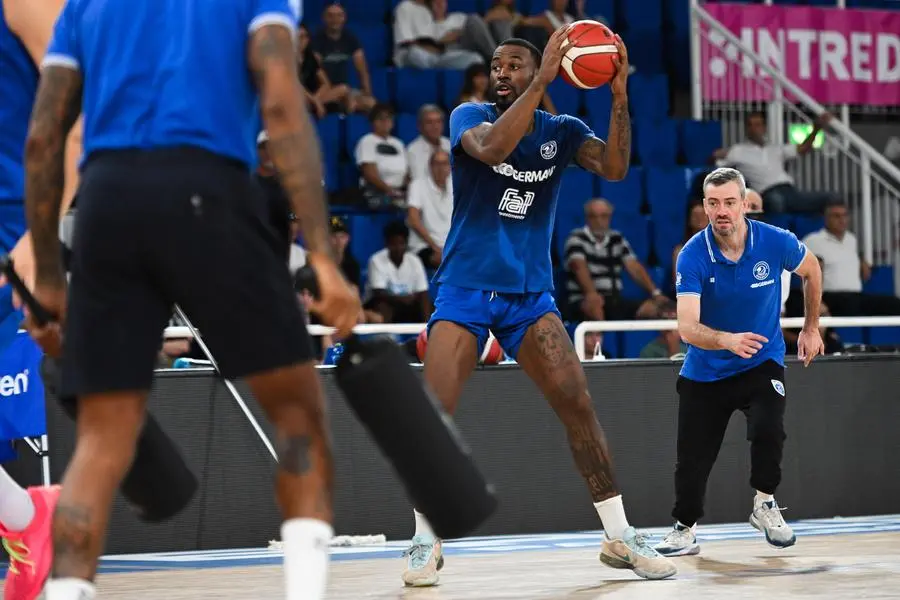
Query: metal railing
x=845 y=165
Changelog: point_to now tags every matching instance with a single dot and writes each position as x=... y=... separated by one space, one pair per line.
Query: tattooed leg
x=548 y=358
x=292 y=399
x=107 y=430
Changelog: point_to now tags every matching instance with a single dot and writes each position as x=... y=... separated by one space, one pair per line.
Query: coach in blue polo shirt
x=728 y=281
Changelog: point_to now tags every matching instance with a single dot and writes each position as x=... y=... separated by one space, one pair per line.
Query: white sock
x=69 y=588
x=764 y=497
x=612 y=514
x=16 y=507
x=422 y=525
x=305 y=544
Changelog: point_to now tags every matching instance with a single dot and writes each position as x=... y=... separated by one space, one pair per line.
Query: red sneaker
x=31 y=551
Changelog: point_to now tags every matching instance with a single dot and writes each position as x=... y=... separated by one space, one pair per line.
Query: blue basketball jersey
x=503 y=215
x=168 y=72
x=18 y=86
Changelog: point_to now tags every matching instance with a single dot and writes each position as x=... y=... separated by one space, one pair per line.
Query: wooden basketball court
x=834 y=558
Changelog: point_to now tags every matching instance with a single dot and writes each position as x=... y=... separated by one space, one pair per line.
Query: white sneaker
x=426 y=558
x=635 y=553
x=681 y=541
x=766 y=517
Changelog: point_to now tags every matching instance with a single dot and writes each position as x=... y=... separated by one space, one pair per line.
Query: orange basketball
x=590 y=50
x=492 y=353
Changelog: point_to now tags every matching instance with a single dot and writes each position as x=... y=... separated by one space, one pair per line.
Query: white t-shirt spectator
x=840 y=260
x=452 y=22
x=297 y=258
x=763 y=166
x=408 y=278
x=387 y=154
x=419 y=152
x=436 y=205
x=411 y=22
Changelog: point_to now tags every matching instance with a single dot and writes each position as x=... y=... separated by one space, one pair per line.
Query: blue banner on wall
x=22 y=408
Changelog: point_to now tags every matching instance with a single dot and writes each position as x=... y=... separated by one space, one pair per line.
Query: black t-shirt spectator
x=337 y=55
x=309 y=71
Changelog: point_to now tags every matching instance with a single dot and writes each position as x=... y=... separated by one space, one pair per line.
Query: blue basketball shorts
x=12 y=228
x=507 y=316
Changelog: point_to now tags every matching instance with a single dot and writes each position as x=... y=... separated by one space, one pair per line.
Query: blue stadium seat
x=329 y=130
x=405 y=127
x=806 y=224
x=357 y=126
x=566 y=98
x=698 y=140
x=852 y=335
x=598 y=105
x=656 y=142
x=645 y=49
x=348 y=175
x=576 y=188
x=783 y=220
x=451 y=81
x=366 y=234
x=627 y=195
x=634 y=341
x=635 y=229
x=375 y=42
x=312 y=13
x=667 y=190
x=600 y=125
x=366 y=11
x=416 y=87
x=602 y=10
x=649 y=95
x=645 y=15
x=881 y=281
x=468 y=6
x=378 y=77
x=666 y=235
x=630 y=288
x=884 y=336
x=677 y=15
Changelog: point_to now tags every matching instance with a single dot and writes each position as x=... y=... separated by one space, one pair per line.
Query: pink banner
x=836 y=56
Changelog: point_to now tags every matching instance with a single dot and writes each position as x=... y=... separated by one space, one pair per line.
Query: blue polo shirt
x=166 y=73
x=737 y=297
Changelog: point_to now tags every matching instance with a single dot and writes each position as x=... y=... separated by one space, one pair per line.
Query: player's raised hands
x=745 y=344
x=620 y=81
x=809 y=345
x=553 y=53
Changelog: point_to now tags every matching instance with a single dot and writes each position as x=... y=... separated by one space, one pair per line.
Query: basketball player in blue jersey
x=169 y=214
x=508 y=160
x=25 y=30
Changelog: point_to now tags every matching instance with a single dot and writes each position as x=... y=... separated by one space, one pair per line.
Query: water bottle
x=333 y=354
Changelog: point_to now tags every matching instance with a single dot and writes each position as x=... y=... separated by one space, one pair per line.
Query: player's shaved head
x=520 y=44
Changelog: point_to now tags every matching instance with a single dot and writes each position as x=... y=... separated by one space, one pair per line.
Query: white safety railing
x=671 y=325
x=846 y=165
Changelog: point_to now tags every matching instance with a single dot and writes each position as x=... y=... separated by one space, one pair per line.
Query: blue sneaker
x=634 y=552
x=426 y=558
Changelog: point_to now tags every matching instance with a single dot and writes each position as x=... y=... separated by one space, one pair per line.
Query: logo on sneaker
x=779 y=387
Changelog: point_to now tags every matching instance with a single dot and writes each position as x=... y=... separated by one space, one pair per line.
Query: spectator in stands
x=595 y=256
x=537 y=29
x=340 y=241
x=833 y=342
x=382 y=160
x=418 y=44
x=319 y=90
x=398 y=286
x=763 y=164
x=430 y=210
x=430 y=139
x=696 y=221
x=336 y=48
x=669 y=343
x=844 y=271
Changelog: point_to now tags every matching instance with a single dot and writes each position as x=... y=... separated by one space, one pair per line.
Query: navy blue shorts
x=507 y=316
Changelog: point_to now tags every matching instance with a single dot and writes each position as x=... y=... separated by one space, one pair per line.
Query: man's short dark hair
x=396 y=229
x=756 y=113
x=535 y=53
x=381 y=109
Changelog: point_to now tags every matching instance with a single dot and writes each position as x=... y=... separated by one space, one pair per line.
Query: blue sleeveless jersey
x=168 y=72
x=503 y=215
x=18 y=86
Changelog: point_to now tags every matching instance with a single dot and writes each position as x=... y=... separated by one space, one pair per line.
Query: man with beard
x=729 y=308
x=508 y=158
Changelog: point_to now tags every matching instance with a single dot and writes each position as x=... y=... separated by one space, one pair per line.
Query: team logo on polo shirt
x=761 y=270
x=548 y=150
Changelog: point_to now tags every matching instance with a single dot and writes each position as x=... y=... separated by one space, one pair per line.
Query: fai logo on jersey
x=548 y=150
x=514 y=205
x=779 y=387
x=761 y=270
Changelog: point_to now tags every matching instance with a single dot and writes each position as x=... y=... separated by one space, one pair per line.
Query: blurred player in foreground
x=25 y=30
x=508 y=160
x=728 y=281
x=169 y=214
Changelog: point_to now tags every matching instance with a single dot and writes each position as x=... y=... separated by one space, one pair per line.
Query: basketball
x=422 y=344
x=492 y=353
x=590 y=50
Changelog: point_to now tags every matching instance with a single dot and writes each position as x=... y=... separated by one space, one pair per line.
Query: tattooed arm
x=293 y=141
x=56 y=109
x=610 y=160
